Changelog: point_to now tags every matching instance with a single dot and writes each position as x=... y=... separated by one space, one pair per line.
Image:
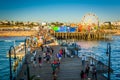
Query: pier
x=69 y=69
x=80 y=35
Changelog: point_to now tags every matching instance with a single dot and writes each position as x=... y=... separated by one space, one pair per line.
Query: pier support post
x=10 y=64
x=109 y=61
x=28 y=74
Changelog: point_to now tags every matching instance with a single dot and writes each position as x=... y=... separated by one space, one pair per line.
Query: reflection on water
x=88 y=44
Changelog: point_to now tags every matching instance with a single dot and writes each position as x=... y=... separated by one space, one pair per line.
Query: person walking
x=48 y=58
x=54 y=75
x=40 y=60
x=34 y=62
x=82 y=75
x=59 y=56
x=52 y=50
x=53 y=65
x=64 y=52
x=87 y=70
x=94 y=73
x=44 y=56
x=42 y=48
x=83 y=60
x=58 y=64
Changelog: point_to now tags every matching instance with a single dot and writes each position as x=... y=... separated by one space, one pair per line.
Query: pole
x=14 y=50
x=14 y=53
x=109 y=61
x=28 y=75
x=10 y=59
x=10 y=64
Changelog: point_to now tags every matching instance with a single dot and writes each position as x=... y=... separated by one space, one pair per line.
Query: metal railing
x=20 y=62
x=10 y=61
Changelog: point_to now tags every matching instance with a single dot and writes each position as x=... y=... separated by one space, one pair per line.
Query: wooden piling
x=80 y=35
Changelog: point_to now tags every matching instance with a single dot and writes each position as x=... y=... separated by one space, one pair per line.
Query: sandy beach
x=113 y=32
x=17 y=33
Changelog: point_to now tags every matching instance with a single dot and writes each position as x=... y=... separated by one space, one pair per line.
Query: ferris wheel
x=90 y=22
x=90 y=19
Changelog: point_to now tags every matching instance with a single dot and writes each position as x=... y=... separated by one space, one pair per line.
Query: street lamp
x=28 y=75
x=11 y=48
x=109 y=60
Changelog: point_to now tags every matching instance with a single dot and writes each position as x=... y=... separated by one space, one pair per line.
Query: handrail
x=18 y=68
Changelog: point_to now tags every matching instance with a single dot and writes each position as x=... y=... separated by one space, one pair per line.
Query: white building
x=116 y=23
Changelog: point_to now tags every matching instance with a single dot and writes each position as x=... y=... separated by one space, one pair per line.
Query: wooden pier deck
x=70 y=69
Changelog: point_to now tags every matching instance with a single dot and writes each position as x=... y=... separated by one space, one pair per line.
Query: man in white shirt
x=83 y=59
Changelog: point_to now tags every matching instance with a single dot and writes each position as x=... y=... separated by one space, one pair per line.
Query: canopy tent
x=63 y=29
x=72 y=29
x=56 y=28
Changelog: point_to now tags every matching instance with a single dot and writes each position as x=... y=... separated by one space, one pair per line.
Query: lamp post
x=109 y=60
x=28 y=75
x=11 y=48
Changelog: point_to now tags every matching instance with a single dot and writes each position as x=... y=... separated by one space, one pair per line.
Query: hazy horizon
x=58 y=10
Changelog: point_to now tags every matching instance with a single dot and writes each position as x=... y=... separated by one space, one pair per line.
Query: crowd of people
x=49 y=56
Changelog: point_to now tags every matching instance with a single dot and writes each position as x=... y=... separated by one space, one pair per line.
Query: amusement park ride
x=87 y=29
x=89 y=23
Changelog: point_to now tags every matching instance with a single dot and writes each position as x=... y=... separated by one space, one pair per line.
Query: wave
x=4 y=76
x=12 y=40
x=3 y=59
x=5 y=68
x=2 y=51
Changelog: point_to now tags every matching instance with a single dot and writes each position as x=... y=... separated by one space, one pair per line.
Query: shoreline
x=114 y=32
x=34 y=32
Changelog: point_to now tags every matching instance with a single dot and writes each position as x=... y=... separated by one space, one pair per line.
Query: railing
x=20 y=61
x=19 y=67
x=99 y=61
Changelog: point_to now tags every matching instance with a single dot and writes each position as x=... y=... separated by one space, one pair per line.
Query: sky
x=58 y=10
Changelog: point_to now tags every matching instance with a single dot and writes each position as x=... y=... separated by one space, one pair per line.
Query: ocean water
x=98 y=47
x=5 y=43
